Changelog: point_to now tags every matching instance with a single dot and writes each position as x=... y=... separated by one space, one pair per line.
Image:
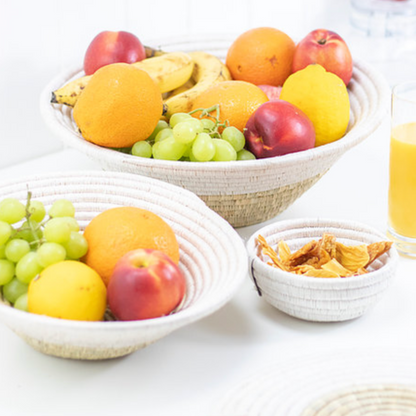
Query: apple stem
x=322 y=41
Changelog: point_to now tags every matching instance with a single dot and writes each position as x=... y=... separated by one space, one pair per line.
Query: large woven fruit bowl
x=212 y=258
x=243 y=192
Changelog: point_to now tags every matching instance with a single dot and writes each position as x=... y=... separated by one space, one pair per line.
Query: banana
x=168 y=70
x=208 y=70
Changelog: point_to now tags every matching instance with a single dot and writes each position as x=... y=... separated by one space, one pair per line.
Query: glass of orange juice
x=402 y=186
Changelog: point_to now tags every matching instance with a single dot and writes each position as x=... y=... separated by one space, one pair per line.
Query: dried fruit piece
x=352 y=257
x=268 y=251
x=336 y=267
x=322 y=273
x=308 y=251
x=375 y=250
x=321 y=258
x=284 y=251
x=328 y=243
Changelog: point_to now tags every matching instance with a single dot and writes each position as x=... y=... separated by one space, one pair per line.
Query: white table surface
x=188 y=372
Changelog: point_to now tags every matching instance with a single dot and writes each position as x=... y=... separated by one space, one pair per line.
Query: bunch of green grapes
x=30 y=241
x=197 y=140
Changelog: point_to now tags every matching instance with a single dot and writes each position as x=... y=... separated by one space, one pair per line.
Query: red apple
x=277 y=128
x=272 y=92
x=112 y=47
x=145 y=284
x=325 y=48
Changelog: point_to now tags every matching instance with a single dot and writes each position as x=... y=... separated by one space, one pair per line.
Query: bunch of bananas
x=181 y=77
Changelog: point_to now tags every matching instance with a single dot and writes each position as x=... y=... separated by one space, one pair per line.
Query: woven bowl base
x=368 y=400
x=80 y=353
x=242 y=210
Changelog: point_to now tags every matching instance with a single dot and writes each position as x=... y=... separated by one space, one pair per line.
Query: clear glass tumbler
x=402 y=184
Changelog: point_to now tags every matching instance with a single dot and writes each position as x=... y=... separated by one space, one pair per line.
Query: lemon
x=323 y=97
x=68 y=290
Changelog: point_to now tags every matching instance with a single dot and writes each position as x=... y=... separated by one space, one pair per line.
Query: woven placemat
x=367 y=400
x=333 y=382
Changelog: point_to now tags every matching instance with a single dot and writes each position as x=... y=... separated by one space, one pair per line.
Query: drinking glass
x=402 y=184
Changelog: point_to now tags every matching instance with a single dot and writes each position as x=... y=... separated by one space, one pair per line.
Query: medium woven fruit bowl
x=318 y=298
x=242 y=192
x=212 y=258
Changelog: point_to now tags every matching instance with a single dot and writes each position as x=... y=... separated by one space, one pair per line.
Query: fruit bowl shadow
x=212 y=257
x=242 y=192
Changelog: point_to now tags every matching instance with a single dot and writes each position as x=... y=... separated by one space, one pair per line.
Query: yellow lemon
x=323 y=97
x=68 y=290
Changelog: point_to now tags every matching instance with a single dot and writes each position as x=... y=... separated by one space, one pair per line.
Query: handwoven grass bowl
x=212 y=258
x=243 y=192
x=321 y=299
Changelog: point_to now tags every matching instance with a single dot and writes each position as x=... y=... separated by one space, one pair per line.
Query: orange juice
x=402 y=190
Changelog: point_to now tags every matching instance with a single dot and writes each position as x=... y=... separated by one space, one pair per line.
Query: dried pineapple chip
x=321 y=258
x=328 y=244
x=375 y=250
x=309 y=250
x=352 y=257
x=321 y=273
x=284 y=251
x=335 y=267
x=268 y=251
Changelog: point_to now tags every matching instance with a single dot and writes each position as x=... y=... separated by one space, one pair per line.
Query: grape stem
x=31 y=227
x=206 y=112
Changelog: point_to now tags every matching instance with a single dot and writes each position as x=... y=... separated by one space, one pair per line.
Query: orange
x=237 y=101
x=117 y=231
x=120 y=106
x=262 y=56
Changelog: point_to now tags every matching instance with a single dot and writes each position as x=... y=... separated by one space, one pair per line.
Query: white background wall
x=39 y=39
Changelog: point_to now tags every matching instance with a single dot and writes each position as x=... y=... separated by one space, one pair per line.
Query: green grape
x=168 y=149
x=161 y=125
x=72 y=222
x=16 y=249
x=50 y=253
x=25 y=233
x=5 y=232
x=199 y=127
x=163 y=134
x=184 y=132
x=62 y=208
x=224 y=152
x=28 y=267
x=57 y=230
x=234 y=136
x=11 y=210
x=187 y=151
x=207 y=124
x=14 y=289
x=142 y=149
x=21 y=303
x=37 y=211
x=7 y=269
x=192 y=157
x=3 y=251
x=178 y=118
x=76 y=247
x=203 y=148
x=244 y=154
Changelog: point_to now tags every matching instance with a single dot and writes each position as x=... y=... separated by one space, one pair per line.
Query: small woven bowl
x=320 y=299
x=243 y=192
x=212 y=257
